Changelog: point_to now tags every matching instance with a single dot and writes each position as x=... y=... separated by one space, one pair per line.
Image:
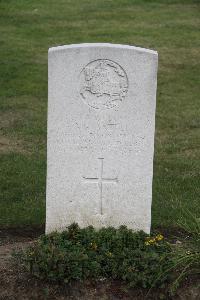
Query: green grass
x=28 y=28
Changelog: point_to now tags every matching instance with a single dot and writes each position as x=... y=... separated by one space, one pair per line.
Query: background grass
x=28 y=28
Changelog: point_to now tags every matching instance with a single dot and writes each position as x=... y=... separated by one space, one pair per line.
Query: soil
x=15 y=283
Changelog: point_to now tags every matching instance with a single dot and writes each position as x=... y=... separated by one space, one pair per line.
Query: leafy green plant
x=78 y=254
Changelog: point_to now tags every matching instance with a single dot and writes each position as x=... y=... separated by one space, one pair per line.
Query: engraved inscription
x=103 y=84
x=100 y=180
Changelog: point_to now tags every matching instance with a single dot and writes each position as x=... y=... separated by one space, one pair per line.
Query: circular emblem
x=103 y=84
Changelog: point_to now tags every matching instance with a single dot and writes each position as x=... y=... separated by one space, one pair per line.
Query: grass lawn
x=28 y=28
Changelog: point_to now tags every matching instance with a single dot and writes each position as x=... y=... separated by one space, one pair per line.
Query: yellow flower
x=150 y=241
x=93 y=245
x=159 y=237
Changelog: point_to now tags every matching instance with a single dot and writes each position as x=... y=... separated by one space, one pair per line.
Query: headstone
x=101 y=119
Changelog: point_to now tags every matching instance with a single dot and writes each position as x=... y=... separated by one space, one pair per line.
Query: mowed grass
x=28 y=28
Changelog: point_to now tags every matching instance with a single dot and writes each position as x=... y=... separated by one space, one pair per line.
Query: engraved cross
x=100 y=181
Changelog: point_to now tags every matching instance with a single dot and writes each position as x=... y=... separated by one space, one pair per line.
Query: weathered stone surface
x=101 y=119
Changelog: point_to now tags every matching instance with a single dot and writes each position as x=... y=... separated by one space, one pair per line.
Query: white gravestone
x=101 y=119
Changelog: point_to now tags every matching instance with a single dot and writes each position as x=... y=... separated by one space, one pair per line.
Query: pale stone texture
x=101 y=119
